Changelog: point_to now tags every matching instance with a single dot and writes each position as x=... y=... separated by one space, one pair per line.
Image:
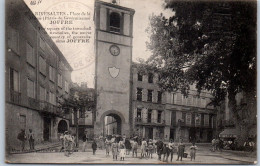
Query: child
x=115 y=150
x=193 y=150
x=94 y=147
x=122 y=150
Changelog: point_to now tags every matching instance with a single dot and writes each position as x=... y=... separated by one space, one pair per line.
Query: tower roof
x=132 y=11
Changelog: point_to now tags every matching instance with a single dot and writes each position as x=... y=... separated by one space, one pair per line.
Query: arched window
x=114 y=22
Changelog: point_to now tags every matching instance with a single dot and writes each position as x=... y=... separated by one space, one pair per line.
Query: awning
x=229 y=133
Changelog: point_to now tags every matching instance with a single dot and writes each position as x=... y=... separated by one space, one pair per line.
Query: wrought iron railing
x=15 y=97
x=33 y=103
x=139 y=120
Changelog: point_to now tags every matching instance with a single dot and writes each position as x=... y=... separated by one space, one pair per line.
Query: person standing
x=171 y=146
x=67 y=143
x=100 y=142
x=85 y=141
x=31 y=139
x=165 y=152
x=159 y=145
x=22 y=137
x=122 y=150
x=143 y=148
x=193 y=150
x=73 y=143
x=115 y=150
x=213 y=143
x=94 y=147
x=62 y=142
x=108 y=146
x=128 y=146
x=150 y=148
x=181 y=148
x=134 y=148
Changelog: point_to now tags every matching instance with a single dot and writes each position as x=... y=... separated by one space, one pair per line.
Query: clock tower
x=113 y=49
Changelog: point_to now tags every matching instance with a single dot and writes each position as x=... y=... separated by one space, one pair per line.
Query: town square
x=131 y=82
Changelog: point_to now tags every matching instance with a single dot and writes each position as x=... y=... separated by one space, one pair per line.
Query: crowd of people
x=120 y=146
x=68 y=143
x=218 y=144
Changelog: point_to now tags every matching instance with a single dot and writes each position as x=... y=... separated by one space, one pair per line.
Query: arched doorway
x=112 y=124
x=62 y=126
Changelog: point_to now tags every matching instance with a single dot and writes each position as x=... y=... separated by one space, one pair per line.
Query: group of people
x=218 y=144
x=22 y=138
x=122 y=146
x=68 y=143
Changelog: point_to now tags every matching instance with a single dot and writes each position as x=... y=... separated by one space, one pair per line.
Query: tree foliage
x=79 y=100
x=209 y=44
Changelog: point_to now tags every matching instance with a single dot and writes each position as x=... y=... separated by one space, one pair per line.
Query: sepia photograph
x=131 y=82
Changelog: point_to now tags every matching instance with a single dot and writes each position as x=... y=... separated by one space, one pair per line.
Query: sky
x=81 y=56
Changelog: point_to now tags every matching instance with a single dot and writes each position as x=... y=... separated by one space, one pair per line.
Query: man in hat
x=159 y=145
x=181 y=148
x=171 y=148
x=31 y=139
x=22 y=137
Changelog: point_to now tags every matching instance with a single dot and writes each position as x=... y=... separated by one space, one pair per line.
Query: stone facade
x=37 y=74
x=113 y=64
x=167 y=115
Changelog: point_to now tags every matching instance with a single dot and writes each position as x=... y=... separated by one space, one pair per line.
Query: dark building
x=36 y=75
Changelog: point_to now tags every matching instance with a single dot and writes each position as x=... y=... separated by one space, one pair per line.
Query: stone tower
x=113 y=46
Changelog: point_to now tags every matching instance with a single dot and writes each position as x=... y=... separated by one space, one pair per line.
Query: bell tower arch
x=113 y=49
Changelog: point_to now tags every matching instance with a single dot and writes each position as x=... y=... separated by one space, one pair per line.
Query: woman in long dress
x=143 y=148
x=108 y=146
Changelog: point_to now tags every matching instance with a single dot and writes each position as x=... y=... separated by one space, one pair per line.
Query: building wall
x=113 y=93
x=22 y=30
x=171 y=103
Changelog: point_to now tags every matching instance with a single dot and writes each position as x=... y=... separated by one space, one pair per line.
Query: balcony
x=49 y=108
x=33 y=103
x=149 y=122
x=15 y=97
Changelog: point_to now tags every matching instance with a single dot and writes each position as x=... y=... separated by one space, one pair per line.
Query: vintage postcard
x=130 y=82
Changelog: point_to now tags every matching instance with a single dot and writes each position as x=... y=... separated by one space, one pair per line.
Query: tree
x=211 y=45
x=79 y=100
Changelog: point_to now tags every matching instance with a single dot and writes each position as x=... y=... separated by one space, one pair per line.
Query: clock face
x=114 y=50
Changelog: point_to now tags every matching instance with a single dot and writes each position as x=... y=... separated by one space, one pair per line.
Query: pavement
x=203 y=156
x=44 y=147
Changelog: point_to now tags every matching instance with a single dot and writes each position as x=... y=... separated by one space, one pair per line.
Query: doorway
x=46 y=128
x=149 y=132
x=62 y=126
x=172 y=131
x=112 y=124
